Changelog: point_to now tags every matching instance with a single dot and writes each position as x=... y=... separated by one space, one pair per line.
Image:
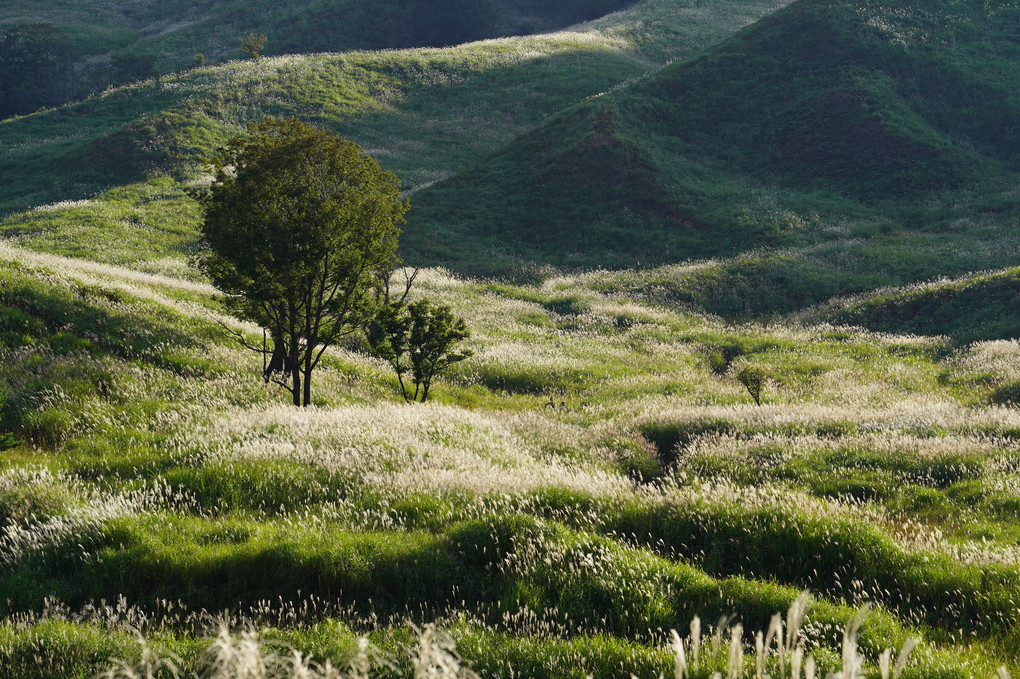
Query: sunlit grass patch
x=660 y=492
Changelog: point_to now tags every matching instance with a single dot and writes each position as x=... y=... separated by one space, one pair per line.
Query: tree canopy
x=298 y=224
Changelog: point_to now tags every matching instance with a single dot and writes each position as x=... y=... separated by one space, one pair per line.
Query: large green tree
x=298 y=224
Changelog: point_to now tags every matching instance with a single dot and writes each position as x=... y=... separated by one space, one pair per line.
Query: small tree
x=252 y=45
x=199 y=60
x=297 y=225
x=418 y=338
x=754 y=379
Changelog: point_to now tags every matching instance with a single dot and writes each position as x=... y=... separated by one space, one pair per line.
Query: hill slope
x=160 y=472
x=979 y=307
x=425 y=114
x=52 y=52
x=867 y=105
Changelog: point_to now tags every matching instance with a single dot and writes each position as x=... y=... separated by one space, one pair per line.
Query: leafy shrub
x=718 y=362
x=418 y=339
x=638 y=458
x=47 y=427
x=38 y=501
x=252 y=45
x=7 y=440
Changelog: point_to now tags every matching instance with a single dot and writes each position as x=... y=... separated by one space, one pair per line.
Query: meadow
x=162 y=491
x=164 y=512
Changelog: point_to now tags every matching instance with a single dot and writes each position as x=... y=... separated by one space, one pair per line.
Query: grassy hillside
x=882 y=101
x=175 y=31
x=425 y=113
x=983 y=306
x=854 y=254
x=165 y=502
x=818 y=113
x=53 y=53
x=166 y=125
x=157 y=467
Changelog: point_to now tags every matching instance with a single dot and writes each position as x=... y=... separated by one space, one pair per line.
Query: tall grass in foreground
x=247 y=656
x=717 y=652
x=155 y=465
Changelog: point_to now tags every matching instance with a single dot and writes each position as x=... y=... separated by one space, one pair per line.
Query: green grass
x=150 y=225
x=974 y=308
x=159 y=482
x=160 y=469
x=817 y=120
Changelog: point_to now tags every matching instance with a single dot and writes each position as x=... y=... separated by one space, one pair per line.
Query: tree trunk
x=295 y=353
x=296 y=387
x=403 y=389
x=308 y=386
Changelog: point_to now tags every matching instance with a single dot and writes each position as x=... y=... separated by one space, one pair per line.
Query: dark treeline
x=36 y=68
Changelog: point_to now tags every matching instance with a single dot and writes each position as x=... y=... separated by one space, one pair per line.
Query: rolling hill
x=174 y=31
x=973 y=308
x=819 y=113
x=652 y=179
x=424 y=113
x=59 y=51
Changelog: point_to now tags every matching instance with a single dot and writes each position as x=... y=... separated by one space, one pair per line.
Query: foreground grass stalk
x=248 y=655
